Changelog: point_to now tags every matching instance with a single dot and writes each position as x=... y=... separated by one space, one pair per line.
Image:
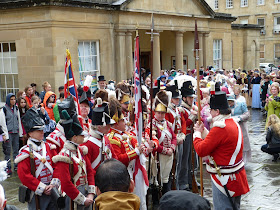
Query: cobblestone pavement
x=262 y=174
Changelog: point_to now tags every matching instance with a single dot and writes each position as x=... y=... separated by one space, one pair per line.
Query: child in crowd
x=10 y=114
x=49 y=103
x=29 y=93
x=23 y=107
x=49 y=124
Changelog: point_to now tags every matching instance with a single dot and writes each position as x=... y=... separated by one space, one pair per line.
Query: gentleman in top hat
x=123 y=96
x=73 y=169
x=57 y=137
x=101 y=84
x=43 y=152
x=224 y=145
x=162 y=129
x=98 y=145
x=189 y=113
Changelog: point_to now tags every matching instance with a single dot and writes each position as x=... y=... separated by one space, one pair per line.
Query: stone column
x=156 y=56
x=128 y=52
x=179 y=50
x=120 y=56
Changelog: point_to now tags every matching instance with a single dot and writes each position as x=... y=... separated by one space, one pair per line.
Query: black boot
x=275 y=157
x=164 y=188
x=155 y=195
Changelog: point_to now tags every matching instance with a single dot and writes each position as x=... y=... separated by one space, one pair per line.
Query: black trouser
x=270 y=151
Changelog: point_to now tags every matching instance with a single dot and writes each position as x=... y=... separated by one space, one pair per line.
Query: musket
x=225 y=186
x=32 y=167
x=71 y=171
x=194 y=184
x=151 y=95
x=196 y=50
x=173 y=170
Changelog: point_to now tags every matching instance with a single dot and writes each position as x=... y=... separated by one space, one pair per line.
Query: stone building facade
x=100 y=36
x=266 y=14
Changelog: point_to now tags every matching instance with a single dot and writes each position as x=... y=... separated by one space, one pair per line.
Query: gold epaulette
x=114 y=141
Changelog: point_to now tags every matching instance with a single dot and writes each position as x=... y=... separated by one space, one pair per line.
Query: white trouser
x=165 y=167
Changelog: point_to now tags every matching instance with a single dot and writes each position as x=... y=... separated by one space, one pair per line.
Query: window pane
x=13 y=47
x=81 y=49
x=9 y=80
x=261 y=21
x=5 y=47
x=14 y=65
x=93 y=48
x=7 y=66
x=278 y=20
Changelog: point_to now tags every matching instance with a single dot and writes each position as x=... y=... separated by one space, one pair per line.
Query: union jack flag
x=70 y=85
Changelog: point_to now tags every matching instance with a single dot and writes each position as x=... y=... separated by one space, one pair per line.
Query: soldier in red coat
x=57 y=137
x=189 y=114
x=166 y=137
x=125 y=145
x=123 y=96
x=73 y=168
x=223 y=145
x=97 y=143
x=43 y=181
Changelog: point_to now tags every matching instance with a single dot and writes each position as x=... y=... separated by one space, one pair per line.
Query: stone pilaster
x=156 y=56
x=129 y=53
x=121 y=73
x=179 y=50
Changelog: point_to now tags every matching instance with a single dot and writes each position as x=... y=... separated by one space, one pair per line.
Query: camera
x=277 y=98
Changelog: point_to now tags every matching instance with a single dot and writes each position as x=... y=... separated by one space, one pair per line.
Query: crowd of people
x=58 y=150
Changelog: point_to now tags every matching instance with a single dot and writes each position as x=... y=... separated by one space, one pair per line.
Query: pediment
x=176 y=7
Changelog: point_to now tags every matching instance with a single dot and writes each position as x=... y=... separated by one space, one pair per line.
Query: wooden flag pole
x=196 y=48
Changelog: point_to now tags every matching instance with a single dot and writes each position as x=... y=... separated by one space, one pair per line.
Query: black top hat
x=67 y=104
x=101 y=114
x=101 y=78
x=32 y=121
x=71 y=125
x=174 y=90
x=187 y=89
x=219 y=99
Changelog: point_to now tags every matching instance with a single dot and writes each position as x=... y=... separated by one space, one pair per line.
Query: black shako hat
x=32 y=121
x=67 y=104
x=156 y=88
x=101 y=114
x=187 y=89
x=71 y=125
x=174 y=90
x=183 y=200
x=219 y=99
x=101 y=78
x=84 y=98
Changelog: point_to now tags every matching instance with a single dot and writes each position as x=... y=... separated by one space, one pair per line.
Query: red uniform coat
x=169 y=140
x=221 y=143
x=24 y=170
x=188 y=118
x=62 y=172
x=123 y=145
x=93 y=144
x=57 y=137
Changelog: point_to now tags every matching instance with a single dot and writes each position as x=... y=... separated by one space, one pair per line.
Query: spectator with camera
x=272 y=105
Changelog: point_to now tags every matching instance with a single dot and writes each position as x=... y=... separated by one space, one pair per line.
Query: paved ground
x=262 y=173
